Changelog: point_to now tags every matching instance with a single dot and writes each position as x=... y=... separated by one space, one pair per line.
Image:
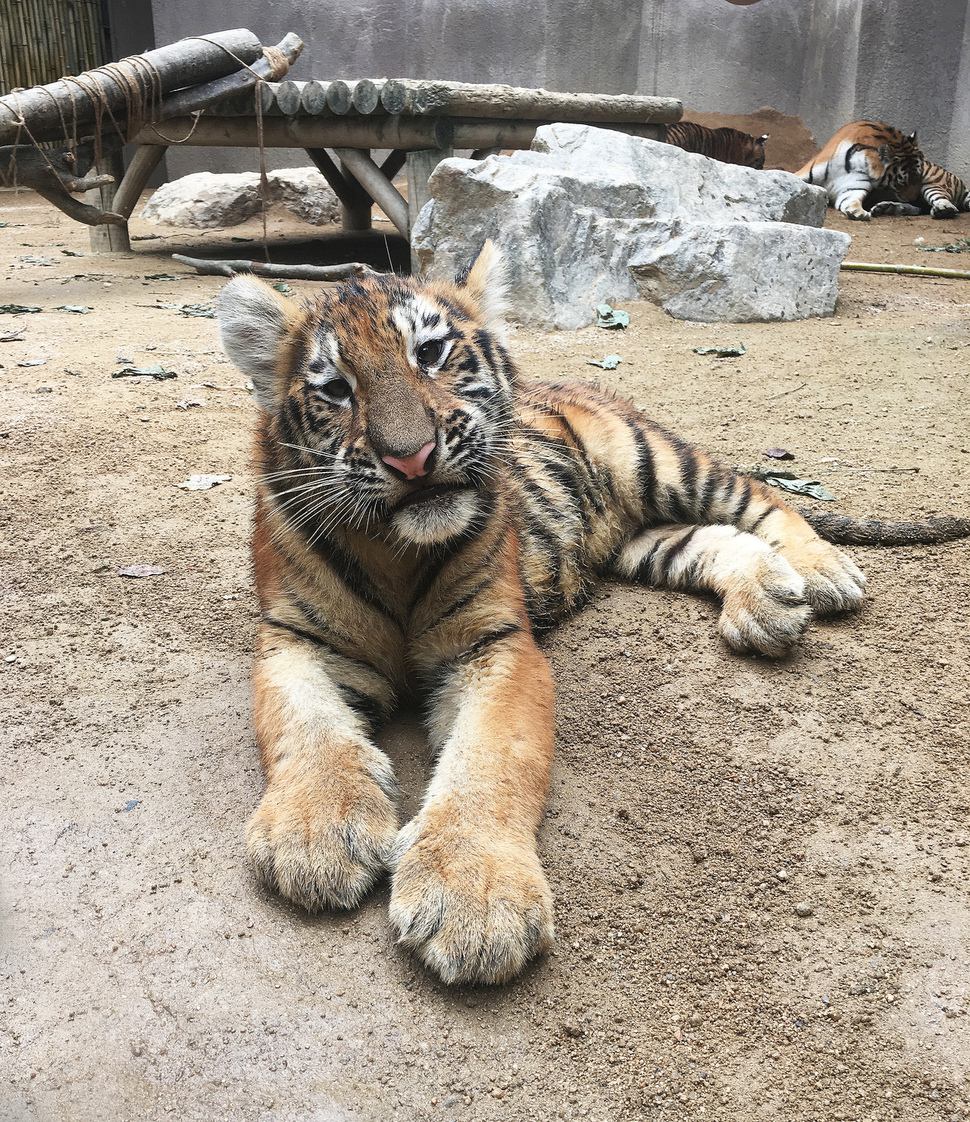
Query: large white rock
x=742 y=271
x=306 y=193
x=204 y=200
x=590 y=215
x=207 y=201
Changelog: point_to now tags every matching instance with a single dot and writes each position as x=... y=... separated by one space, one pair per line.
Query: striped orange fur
x=730 y=146
x=423 y=512
x=861 y=158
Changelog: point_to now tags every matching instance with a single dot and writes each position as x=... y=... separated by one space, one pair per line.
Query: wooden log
x=267 y=100
x=213 y=268
x=340 y=97
x=393 y=163
x=467 y=133
x=394 y=96
x=366 y=96
x=331 y=173
x=313 y=100
x=108 y=237
x=377 y=185
x=189 y=62
x=375 y=131
x=270 y=67
x=143 y=163
x=288 y=96
x=464 y=99
x=357 y=212
x=908 y=270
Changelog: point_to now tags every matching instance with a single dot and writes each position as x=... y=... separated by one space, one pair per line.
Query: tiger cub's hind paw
x=765 y=612
x=833 y=582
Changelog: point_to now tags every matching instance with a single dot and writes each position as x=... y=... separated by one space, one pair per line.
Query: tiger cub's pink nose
x=411 y=467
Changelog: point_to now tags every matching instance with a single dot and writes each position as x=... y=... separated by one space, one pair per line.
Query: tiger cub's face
x=388 y=401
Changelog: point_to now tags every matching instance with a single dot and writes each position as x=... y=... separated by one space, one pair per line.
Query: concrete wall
x=905 y=61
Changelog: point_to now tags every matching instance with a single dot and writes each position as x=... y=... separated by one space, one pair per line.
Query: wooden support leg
x=108 y=239
x=420 y=166
x=378 y=186
x=128 y=191
x=356 y=212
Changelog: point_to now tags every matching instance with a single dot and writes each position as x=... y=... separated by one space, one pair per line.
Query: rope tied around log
x=140 y=85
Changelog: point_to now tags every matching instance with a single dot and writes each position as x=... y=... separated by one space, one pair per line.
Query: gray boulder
x=306 y=193
x=204 y=200
x=742 y=272
x=590 y=215
x=207 y=201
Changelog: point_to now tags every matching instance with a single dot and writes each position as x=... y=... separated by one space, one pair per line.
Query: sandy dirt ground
x=701 y=801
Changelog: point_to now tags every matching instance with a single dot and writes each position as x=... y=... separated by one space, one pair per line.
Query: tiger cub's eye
x=430 y=352
x=337 y=389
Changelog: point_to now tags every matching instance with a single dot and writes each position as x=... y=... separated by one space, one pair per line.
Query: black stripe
x=455 y=546
x=320 y=641
x=352 y=573
x=688 y=474
x=678 y=548
x=761 y=517
x=489 y=639
x=642 y=571
x=362 y=704
x=646 y=475
x=742 y=505
x=461 y=602
x=435 y=677
x=711 y=485
x=299 y=633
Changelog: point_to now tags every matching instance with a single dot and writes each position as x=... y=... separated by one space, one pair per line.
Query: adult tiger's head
x=387 y=401
x=902 y=160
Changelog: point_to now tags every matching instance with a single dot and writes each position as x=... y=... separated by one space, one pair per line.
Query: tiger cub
x=863 y=157
x=422 y=513
x=939 y=193
x=730 y=146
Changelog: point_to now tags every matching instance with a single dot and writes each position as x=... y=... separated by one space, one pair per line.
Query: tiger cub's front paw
x=474 y=906
x=833 y=581
x=765 y=610
x=944 y=209
x=322 y=844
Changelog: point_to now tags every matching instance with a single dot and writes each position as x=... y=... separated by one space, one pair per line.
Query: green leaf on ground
x=607 y=362
x=201 y=311
x=18 y=309
x=961 y=245
x=607 y=316
x=283 y=288
x=723 y=352
x=788 y=481
x=159 y=373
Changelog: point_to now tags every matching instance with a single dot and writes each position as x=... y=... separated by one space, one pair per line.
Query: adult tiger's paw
x=833 y=581
x=473 y=907
x=322 y=844
x=765 y=611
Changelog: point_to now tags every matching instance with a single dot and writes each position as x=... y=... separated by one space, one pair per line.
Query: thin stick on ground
x=915 y=270
x=277 y=272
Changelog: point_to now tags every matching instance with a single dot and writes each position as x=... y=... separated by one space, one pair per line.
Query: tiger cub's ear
x=253 y=321
x=486 y=283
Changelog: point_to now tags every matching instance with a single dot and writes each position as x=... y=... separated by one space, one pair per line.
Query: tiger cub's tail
x=840 y=529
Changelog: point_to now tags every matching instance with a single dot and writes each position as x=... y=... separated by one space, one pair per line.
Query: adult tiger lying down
x=422 y=512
